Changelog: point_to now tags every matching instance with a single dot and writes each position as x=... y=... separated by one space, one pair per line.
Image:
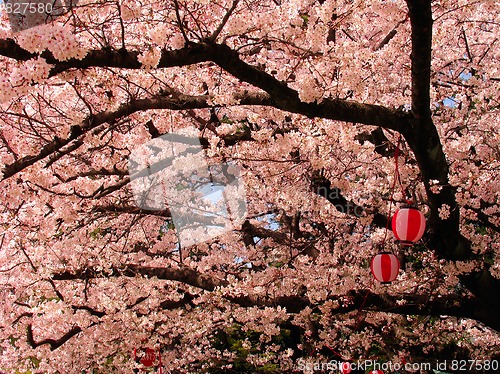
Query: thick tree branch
x=54 y=343
x=377 y=137
x=287 y=99
x=366 y=300
x=422 y=136
x=282 y=96
x=106 y=57
x=423 y=139
x=421 y=39
x=181 y=274
x=323 y=187
x=412 y=304
x=180 y=102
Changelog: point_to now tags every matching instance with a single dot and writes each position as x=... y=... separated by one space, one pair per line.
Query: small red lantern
x=345 y=367
x=385 y=267
x=149 y=357
x=408 y=225
x=376 y=372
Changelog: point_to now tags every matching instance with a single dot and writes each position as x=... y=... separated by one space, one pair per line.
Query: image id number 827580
x=28 y=7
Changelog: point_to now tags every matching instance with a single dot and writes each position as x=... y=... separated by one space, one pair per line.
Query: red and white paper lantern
x=376 y=372
x=408 y=225
x=385 y=267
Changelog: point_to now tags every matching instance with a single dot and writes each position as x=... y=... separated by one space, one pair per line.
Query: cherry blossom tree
x=311 y=99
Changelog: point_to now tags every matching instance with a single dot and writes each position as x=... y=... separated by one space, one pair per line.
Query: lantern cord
x=397 y=178
x=160 y=371
x=389 y=215
x=135 y=360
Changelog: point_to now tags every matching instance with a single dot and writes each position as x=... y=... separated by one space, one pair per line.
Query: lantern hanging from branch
x=385 y=267
x=408 y=225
